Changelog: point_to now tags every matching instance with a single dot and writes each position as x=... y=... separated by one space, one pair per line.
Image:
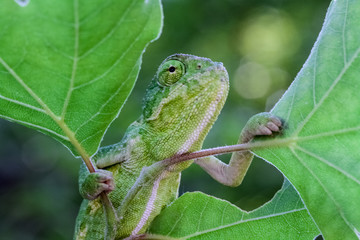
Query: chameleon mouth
x=220 y=72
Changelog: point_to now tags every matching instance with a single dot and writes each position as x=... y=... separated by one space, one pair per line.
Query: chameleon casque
x=181 y=104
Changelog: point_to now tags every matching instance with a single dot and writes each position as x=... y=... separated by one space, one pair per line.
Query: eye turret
x=170 y=72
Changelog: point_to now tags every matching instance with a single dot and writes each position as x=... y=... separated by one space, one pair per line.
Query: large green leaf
x=67 y=67
x=199 y=216
x=319 y=151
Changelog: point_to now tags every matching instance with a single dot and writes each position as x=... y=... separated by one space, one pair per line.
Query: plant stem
x=110 y=213
x=228 y=149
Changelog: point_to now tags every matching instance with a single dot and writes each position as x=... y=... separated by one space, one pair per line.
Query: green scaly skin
x=181 y=104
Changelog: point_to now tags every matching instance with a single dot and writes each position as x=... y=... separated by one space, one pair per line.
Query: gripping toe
x=260 y=124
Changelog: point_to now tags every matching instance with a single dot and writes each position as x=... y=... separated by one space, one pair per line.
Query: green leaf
x=67 y=67
x=319 y=151
x=199 y=216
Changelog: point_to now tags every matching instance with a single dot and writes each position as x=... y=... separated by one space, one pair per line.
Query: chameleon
x=180 y=106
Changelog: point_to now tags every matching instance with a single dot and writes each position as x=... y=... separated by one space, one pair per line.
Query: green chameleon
x=180 y=106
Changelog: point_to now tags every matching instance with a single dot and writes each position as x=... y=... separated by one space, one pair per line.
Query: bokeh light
x=252 y=80
x=268 y=37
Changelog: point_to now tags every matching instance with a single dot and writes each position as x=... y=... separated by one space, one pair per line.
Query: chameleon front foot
x=96 y=183
x=260 y=124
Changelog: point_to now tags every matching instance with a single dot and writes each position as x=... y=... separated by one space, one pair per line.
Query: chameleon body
x=181 y=104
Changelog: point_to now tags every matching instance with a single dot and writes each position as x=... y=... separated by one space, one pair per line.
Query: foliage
x=80 y=57
x=67 y=75
x=199 y=216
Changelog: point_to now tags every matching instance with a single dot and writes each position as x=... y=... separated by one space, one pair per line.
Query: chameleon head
x=184 y=99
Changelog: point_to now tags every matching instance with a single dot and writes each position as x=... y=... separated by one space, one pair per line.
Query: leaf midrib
x=75 y=59
x=241 y=222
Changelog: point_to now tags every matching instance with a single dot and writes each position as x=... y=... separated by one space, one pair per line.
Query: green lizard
x=180 y=106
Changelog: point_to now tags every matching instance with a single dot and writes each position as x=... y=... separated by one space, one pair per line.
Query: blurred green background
x=263 y=45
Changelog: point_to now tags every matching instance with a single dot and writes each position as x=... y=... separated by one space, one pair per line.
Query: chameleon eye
x=172 y=69
x=170 y=72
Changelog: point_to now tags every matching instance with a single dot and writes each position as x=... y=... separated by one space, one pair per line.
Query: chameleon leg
x=93 y=184
x=232 y=174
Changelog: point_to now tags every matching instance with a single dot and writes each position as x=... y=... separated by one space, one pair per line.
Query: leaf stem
x=110 y=213
x=228 y=149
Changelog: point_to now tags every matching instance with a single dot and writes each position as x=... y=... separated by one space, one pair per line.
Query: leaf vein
x=35 y=126
x=178 y=220
x=91 y=136
x=107 y=101
x=243 y=221
x=70 y=134
x=314 y=75
x=329 y=164
x=123 y=54
x=343 y=32
x=29 y=90
x=22 y=104
x=327 y=93
x=292 y=102
x=326 y=134
x=323 y=187
x=111 y=32
x=201 y=214
x=75 y=59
